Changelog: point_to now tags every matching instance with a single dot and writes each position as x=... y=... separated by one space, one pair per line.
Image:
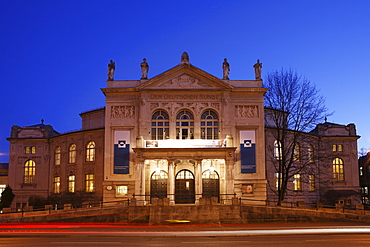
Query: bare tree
x=294 y=107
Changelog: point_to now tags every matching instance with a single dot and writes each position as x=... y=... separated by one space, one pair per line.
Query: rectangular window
x=338 y=172
x=71 y=183
x=311 y=181
x=2 y=188
x=278 y=180
x=247 y=189
x=337 y=147
x=89 y=183
x=56 y=185
x=121 y=190
x=30 y=149
x=297 y=182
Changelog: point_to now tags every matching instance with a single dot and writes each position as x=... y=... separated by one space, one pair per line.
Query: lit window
x=57 y=156
x=160 y=125
x=72 y=154
x=56 y=185
x=184 y=125
x=338 y=169
x=297 y=182
x=337 y=147
x=209 y=125
x=121 y=190
x=71 y=183
x=311 y=153
x=297 y=152
x=29 y=171
x=2 y=188
x=311 y=182
x=90 y=151
x=30 y=150
x=361 y=171
x=278 y=180
x=277 y=150
x=89 y=183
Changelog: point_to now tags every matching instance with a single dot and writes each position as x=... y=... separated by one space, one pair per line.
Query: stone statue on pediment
x=226 y=69
x=111 y=69
x=257 y=69
x=184 y=58
x=144 y=69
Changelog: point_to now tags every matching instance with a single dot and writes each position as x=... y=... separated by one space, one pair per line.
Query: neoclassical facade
x=180 y=136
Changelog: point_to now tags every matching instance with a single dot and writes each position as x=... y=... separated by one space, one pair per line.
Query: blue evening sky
x=54 y=54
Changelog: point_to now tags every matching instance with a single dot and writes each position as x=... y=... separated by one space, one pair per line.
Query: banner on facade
x=121 y=152
x=248 y=151
x=188 y=143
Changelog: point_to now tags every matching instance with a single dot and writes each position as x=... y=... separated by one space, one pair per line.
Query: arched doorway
x=211 y=184
x=184 y=187
x=158 y=185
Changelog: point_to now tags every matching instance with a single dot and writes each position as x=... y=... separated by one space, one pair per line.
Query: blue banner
x=247 y=152
x=121 y=163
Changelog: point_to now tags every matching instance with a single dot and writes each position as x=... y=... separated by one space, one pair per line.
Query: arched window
x=338 y=169
x=277 y=150
x=209 y=125
x=160 y=125
x=90 y=151
x=57 y=156
x=184 y=125
x=311 y=153
x=72 y=153
x=29 y=172
x=297 y=152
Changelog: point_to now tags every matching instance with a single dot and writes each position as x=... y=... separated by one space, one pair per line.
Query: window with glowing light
x=71 y=183
x=29 y=172
x=209 y=125
x=184 y=125
x=311 y=182
x=160 y=125
x=121 y=190
x=57 y=156
x=56 y=185
x=297 y=183
x=338 y=169
x=90 y=151
x=72 y=153
x=89 y=183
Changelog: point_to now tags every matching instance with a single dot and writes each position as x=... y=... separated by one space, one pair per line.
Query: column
x=171 y=179
x=229 y=177
x=139 y=177
x=198 y=180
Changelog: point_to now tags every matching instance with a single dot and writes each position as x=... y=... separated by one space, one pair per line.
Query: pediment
x=184 y=77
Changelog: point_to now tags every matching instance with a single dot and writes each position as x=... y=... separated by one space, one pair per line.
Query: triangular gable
x=184 y=76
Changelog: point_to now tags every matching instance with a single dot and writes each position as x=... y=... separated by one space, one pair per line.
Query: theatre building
x=183 y=135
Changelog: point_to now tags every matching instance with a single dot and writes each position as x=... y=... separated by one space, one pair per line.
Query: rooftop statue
x=257 y=69
x=226 y=69
x=184 y=58
x=111 y=68
x=144 y=69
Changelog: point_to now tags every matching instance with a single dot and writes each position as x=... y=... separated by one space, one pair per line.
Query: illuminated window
x=337 y=147
x=160 y=125
x=278 y=180
x=277 y=150
x=29 y=171
x=297 y=152
x=121 y=190
x=72 y=154
x=185 y=125
x=297 y=182
x=57 y=156
x=361 y=171
x=311 y=153
x=209 y=125
x=2 y=188
x=71 y=183
x=311 y=182
x=89 y=183
x=90 y=151
x=30 y=150
x=56 y=185
x=338 y=169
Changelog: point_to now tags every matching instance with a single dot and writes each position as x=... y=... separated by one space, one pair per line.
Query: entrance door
x=211 y=184
x=158 y=185
x=184 y=187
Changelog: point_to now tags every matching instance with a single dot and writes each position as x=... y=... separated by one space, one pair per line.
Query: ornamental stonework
x=122 y=111
x=185 y=81
x=246 y=111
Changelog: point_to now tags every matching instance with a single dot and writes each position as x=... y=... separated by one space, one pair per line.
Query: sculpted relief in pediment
x=185 y=81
